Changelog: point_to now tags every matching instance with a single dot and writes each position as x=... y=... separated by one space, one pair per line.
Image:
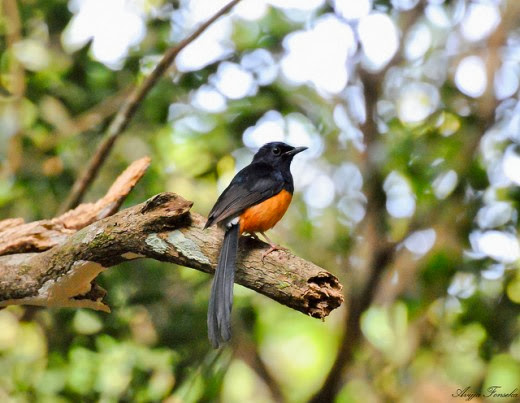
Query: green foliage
x=443 y=319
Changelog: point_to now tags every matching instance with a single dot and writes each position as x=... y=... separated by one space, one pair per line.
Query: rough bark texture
x=164 y=229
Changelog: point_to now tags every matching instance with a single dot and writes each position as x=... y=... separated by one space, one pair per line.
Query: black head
x=277 y=153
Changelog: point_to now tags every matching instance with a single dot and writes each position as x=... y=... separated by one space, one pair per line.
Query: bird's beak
x=295 y=151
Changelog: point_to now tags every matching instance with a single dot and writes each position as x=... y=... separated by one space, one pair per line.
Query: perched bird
x=255 y=200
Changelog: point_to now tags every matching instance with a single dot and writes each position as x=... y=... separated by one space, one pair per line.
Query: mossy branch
x=162 y=228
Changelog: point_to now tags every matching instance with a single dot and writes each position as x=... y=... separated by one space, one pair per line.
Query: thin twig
x=246 y=349
x=13 y=36
x=127 y=111
x=91 y=117
x=16 y=236
x=382 y=254
x=17 y=82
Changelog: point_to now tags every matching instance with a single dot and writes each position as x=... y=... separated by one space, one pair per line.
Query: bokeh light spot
x=480 y=20
x=352 y=9
x=233 y=81
x=470 y=76
x=319 y=55
x=420 y=242
x=400 y=201
x=114 y=26
x=444 y=184
x=379 y=38
x=417 y=101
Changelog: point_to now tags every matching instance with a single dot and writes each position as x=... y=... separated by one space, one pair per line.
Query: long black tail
x=221 y=300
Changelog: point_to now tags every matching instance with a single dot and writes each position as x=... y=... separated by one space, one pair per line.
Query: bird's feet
x=272 y=245
x=272 y=248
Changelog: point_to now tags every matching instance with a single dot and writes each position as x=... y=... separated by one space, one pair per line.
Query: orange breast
x=265 y=215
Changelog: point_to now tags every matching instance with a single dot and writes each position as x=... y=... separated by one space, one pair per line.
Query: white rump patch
x=234 y=221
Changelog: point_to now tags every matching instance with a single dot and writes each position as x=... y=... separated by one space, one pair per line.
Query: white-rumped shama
x=255 y=200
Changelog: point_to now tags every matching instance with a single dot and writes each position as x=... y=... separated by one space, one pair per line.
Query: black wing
x=252 y=185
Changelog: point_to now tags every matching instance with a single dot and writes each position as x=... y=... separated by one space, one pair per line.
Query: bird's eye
x=277 y=151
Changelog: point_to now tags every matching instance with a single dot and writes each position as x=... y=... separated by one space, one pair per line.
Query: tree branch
x=128 y=110
x=16 y=84
x=90 y=118
x=163 y=229
x=17 y=236
x=381 y=251
x=245 y=349
x=13 y=36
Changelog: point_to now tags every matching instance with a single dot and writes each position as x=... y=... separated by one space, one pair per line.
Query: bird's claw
x=272 y=248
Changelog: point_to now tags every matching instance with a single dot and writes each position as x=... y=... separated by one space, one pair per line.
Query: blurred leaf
x=86 y=322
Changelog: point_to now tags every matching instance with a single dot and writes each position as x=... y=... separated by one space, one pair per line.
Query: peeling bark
x=17 y=236
x=163 y=229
